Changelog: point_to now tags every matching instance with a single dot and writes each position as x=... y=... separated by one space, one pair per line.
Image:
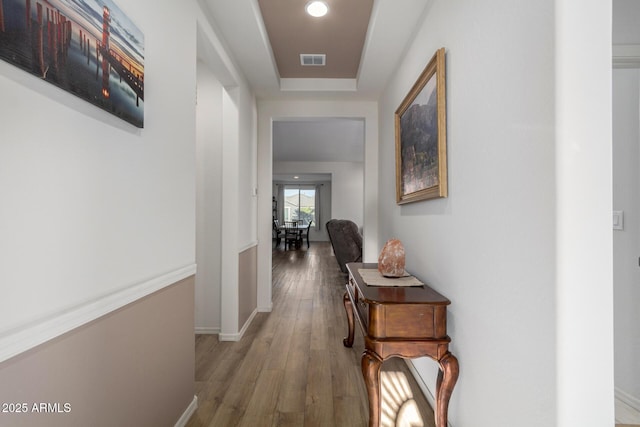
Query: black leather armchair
x=346 y=241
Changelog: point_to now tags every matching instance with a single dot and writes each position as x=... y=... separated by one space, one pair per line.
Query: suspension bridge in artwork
x=49 y=37
x=111 y=58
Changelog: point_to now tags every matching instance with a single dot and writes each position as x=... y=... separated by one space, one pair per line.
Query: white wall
x=247 y=169
x=347 y=189
x=92 y=207
x=229 y=297
x=208 y=201
x=492 y=245
x=626 y=242
x=584 y=193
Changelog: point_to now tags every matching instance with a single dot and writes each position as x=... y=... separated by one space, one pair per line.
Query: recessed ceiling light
x=296 y=177
x=317 y=8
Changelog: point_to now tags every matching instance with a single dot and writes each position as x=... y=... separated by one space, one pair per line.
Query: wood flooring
x=290 y=368
x=626 y=415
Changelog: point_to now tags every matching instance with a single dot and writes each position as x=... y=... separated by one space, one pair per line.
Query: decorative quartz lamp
x=392 y=259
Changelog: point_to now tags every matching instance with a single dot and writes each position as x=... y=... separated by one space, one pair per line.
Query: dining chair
x=291 y=234
x=308 y=229
x=277 y=232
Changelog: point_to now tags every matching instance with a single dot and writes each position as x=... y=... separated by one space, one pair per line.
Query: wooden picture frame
x=421 y=139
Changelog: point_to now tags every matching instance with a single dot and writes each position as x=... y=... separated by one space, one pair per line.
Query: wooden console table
x=405 y=322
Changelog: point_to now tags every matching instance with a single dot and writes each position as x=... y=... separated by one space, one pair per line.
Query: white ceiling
x=318 y=140
x=391 y=28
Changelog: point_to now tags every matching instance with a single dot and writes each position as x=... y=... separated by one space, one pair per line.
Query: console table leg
x=447 y=377
x=348 y=341
x=371 y=365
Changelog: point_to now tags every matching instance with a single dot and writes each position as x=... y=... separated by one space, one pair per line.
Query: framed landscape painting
x=421 y=140
x=89 y=48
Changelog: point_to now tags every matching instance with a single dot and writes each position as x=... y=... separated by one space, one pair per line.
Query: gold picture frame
x=421 y=136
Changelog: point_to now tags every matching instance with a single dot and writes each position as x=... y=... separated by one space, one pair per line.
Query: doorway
x=326 y=157
x=626 y=208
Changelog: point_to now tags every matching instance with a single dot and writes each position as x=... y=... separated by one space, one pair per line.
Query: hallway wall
x=626 y=198
x=97 y=214
x=208 y=201
x=626 y=242
x=132 y=367
x=518 y=246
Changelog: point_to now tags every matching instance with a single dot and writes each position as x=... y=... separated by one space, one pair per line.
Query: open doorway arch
x=326 y=153
x=271 y=111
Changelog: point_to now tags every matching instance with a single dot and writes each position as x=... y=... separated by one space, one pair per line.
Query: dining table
x=300 y=228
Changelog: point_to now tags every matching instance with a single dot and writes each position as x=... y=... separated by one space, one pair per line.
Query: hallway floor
x=290 y=368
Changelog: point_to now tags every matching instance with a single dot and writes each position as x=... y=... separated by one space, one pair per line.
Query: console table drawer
x=363 y=313
x=407 y=321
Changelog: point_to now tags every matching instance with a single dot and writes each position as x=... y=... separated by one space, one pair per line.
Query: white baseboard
x=627 y=408
x=626 y=56
x=239 y=335
x=203 y=330
x=267 y=309
x=24 y=338
x=191 y=409
x=423 y=386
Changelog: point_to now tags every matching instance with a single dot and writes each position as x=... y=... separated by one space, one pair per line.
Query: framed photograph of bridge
x=88 y=48
x=421 y=140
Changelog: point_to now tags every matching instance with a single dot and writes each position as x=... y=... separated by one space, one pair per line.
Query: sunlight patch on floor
x=398 y=408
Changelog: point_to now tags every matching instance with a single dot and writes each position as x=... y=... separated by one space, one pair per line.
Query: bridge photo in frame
x=87 y=47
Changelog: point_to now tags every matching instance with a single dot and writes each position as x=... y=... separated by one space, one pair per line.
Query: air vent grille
x=313 y=59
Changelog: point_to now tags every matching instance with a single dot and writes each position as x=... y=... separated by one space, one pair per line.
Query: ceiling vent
x=313 y=60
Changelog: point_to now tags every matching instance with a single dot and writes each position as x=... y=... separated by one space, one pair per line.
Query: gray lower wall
x=247 y=284
x=132 y=367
